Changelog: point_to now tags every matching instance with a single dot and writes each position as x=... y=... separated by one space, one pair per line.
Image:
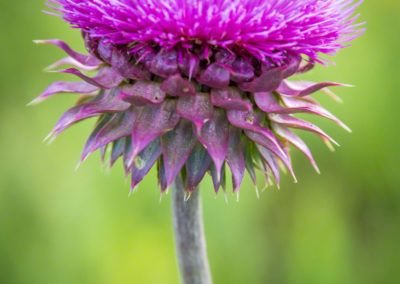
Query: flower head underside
x=193 y=86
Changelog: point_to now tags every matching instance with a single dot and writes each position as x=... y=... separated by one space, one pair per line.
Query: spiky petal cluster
x=263 y=28
x=192 y=107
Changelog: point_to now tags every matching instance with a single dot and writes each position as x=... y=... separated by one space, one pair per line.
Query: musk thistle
x=193 y=85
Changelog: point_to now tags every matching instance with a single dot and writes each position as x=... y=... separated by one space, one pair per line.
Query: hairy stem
x=189 y=236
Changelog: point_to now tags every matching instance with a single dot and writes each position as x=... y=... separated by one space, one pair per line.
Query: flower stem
x=189 y=236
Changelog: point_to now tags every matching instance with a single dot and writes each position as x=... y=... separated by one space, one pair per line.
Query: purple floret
x=266 y=29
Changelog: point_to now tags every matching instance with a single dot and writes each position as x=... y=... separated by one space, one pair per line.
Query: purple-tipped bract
x=200 y=85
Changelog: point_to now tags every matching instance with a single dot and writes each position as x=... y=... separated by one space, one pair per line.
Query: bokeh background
x=58 y=225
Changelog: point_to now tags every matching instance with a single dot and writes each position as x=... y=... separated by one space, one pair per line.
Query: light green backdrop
x=58 y=225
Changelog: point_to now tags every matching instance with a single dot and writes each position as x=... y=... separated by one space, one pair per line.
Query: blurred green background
x=58 y=225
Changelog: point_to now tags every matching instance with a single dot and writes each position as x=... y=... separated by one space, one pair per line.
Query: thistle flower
x=190 y=86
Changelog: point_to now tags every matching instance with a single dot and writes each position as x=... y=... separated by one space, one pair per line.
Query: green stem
x=189 y=236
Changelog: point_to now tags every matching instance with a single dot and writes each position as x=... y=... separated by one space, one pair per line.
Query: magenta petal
x=216 y=76
x=142 y=93
x=66 y=87
x=177 y=86
x=105 y=79
x=241 y=70
x=120 y=125
x=270 y=160
x=144 y=161
x=267 y=82
x=293 y=122
x=152 y=122
x=229 y=99
x=127 y=68
x=214 y=136
x=295 y=141
x=196 y=166
x=87 y=60
x=235 y=157
x=302 y=88
x=176 y=147
x=266 y=30
x=165 y=63
x=198 y=109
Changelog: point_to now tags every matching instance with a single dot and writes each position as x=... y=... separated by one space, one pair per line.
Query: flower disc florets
x=192 y=85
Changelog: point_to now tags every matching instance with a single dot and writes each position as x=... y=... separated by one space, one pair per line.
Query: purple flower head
x=193 y=86
x=263 y=28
